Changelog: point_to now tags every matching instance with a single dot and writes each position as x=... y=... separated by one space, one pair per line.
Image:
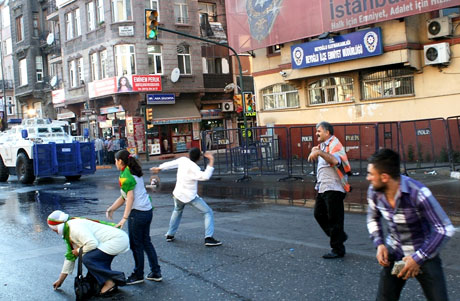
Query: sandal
x=109 y=292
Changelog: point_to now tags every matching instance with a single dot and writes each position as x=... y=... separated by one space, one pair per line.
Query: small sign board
x=307 y=138
x=161 y=99
x=352 y=137
x=126 y=31
x=423 y=132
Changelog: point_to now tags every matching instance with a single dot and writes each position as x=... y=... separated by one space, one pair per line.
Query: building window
x=155 y=59
x=19 y=29
x=125 y=60
x=331 y=90
x=215 y=65
x=23 y=72
x=36 y=24
x=76 y=72
x=73 y=24
x=183 y=59
x=387 y=83
x=280 y=96
x=181 y=11
x=5 y=16
x=90 y=13
x=94 y=64
x=274 y=49
x=7 y=47
x=121 y=10
x=103 y=59
x=210 y=9
x=39 y=68
x=155 y=5
x=11 y=107
x=100 y=12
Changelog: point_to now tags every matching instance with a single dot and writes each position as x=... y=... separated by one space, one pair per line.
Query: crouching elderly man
x=100 y=243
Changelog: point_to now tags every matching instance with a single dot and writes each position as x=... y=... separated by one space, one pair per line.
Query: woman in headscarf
x=100 y=242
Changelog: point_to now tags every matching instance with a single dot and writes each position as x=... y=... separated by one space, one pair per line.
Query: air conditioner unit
x=228 y=107
x=439 y=27
x=73 y=126
x=437 y=54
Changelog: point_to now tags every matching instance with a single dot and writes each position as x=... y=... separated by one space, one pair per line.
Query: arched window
x=280 y=96
x=331 y=90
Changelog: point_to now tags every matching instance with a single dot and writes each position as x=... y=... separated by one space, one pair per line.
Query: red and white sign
x=102 y=87
x=58 y=96
x=146 y=83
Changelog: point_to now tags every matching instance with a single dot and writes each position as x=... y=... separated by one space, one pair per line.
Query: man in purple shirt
x=417 y=228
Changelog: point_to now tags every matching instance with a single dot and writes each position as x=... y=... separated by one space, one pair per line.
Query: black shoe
x=134 y=279
x=211 y=242
x=154 y=276
x=333 y=255
x=169 y=238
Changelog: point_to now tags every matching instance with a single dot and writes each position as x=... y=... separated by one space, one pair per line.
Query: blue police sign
x=161 y=99
x=351 y=46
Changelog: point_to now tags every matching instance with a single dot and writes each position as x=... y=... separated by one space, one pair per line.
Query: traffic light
x=149 y=114
x=249 y=104
x=238 y=101
x=151 y=24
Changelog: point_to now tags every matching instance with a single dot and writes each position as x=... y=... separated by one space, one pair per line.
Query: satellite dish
x=53 y=81
x=50 y=38
x=229 y=88
x=175 y=74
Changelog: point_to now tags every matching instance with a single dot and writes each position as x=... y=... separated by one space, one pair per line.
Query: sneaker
x=169 y=238
x=134 y=279
x=154 y=276
x=211 y=242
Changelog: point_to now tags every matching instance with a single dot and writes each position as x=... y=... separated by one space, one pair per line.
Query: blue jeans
x=98 y=264
x=100 y=157
x=199 y=204
x=139 y=241
x=431 y=279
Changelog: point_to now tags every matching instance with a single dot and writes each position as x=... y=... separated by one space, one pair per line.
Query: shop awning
x=183 y=111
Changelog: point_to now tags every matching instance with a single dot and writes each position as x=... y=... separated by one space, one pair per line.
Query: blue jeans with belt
x=199 y=204
x=139 y=241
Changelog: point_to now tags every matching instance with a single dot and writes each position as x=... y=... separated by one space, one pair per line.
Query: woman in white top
x=139 y=212
x=100 y=243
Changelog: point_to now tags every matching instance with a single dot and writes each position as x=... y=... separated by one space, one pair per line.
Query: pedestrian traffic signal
x=151 y=24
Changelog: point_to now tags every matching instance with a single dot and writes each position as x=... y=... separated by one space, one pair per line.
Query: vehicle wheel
x=25 y=169
x=73 y=178
x=4 y=173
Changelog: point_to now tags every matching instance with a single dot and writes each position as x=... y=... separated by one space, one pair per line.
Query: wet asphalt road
x=272 y=245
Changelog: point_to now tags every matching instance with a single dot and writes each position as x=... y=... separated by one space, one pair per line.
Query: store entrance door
x=165 y=139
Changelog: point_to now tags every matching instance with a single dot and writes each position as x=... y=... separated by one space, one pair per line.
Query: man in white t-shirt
x=185 y=192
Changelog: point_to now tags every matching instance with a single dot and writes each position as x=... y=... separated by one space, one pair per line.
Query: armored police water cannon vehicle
x=40 y=147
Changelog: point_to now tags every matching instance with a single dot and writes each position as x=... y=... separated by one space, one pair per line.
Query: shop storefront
x=174 y=128
x=112 y=121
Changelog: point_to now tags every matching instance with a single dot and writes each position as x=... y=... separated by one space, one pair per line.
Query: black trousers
x=329 y=213
x=431 y=279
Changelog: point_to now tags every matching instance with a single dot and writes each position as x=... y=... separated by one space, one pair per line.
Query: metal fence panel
x=453 y=126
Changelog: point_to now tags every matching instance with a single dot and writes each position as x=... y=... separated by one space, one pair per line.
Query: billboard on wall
x=124 y=84
x=254 y=24
x=346 y=47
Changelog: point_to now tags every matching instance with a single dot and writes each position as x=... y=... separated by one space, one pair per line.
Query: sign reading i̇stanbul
x=256 y=24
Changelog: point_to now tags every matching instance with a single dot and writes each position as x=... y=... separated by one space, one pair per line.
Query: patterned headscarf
x=56 y=220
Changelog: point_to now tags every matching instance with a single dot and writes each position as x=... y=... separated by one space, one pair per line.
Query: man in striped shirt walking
x=417 y=228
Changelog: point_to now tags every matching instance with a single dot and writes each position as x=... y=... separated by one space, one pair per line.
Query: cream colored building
x=395 y=86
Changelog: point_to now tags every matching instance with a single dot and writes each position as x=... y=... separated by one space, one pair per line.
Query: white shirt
x=188 y=175
x=142 y=200
x=91 y=235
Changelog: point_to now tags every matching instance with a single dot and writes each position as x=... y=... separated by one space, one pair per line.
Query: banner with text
x=124 y=84
x=256 y=24
x=351 y=46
